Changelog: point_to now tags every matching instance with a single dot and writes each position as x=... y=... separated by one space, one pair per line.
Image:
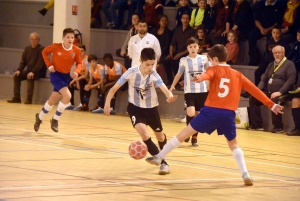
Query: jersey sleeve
x=118 y=69
x=208 y=75
x=78 y=61
x=248 y=86
x=105 y=70
x=46 y=51
x=157 y=79
x=125 y=77
x=181 y=68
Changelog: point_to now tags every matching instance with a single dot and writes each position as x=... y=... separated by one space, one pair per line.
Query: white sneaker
x=164 y=169
x=247 y=179
x=99 y=110
x=112 y=112
x=154 y=160
x=183 y=120
x=69 y=106
x=78 y=107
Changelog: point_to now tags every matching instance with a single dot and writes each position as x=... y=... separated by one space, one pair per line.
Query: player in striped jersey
x=113 y=71
x=63 y=57
x=194 y=93
x=143 y=102
x=218 y=113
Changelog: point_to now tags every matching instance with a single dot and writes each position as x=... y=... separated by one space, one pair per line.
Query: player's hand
x=172 y=88
x=17 y=73
x=123 y=53
x=275 y=94
x=278 y=109
x=196 y=79
x=87 y=87
x=177 y=56
x=51 y=69
x=74 y=75
x=172 y=99
x=107 y=109
x=30 y=75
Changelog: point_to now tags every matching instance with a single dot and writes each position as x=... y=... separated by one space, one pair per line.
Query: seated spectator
x=153 y=9
x=268 y=55
x=210 y=16
x=96 y=74
x=33 y=61
x=295 y=53
x=79 y=84
x=291 y=20
x=278 y=79
x=163 y=34
x=184 y=8
x=218 y=34
x=267 y=14
x=112 y=72
x=198 y=14
x=96 y=21
x=202 y=38
x=178 y=46
x=242 y=19
x=232 y=47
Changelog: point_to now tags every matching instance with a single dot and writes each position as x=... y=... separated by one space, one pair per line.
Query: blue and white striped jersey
x=141 y=90
x=190 y=67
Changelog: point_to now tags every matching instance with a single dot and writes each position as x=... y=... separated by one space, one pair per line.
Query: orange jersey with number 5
x=226 y=85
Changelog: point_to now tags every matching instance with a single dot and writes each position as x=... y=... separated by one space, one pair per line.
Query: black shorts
x=147 y=116
x=195 y=99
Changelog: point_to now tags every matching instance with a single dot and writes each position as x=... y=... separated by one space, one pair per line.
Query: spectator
x=36 y=68
x=133 y=31
x=96 y=21
x=291 y=20
x=232 y=47
x=178 y=46
x=202 y=38
x=184 y=8
x=132 y=5
x=295 y=53
x=153 y=9
x=211 y=15
x=163 y=34
x=278 y=79
x=140 y=41
x=267 y=14
x=198 y=14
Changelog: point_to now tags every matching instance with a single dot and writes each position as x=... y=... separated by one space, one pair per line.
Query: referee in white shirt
x=140 y=41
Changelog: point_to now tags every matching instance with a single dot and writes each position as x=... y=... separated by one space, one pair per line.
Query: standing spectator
x=278 y=79
x=153 y=9
x=140 y=41
x=295 y=53
x=232 y=47
x=178 y=46
x=183 y=9
x=267 y=14
x=36 y=68
x=210 y=15
x=291 y=20
x=198 y=14
x=133 y=31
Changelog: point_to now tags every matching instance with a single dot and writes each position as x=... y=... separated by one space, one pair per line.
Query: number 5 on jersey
x=224 y=86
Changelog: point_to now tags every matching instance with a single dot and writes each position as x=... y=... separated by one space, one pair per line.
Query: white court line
x=114 y=142
x=186 y=166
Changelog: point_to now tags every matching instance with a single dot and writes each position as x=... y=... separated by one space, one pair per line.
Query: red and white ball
x=138 y=150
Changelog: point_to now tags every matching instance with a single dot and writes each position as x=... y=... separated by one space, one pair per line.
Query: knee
x=145 y=136
x=160 y=136
x=190 y=113
x=295 y=102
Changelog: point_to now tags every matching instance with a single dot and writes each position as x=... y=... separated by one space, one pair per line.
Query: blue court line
x=186 y=162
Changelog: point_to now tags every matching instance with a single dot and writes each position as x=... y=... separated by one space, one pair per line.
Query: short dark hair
x=92 y=57
x=68 y=30
x=108 y=55
x=218 y=51
x=136 y=15
x=142 y=21
x=192 y=40
x=277 y=27
x=186 y=13
x=82 y=46
x=147 y=54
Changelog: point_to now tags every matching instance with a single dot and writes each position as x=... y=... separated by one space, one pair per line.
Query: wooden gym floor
x=88 y=160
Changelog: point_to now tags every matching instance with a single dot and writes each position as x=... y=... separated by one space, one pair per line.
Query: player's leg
x=66 y=96
x=296 y=115
x=82 y=93
x=100 y=102
x=71 y=89
x=190 y=113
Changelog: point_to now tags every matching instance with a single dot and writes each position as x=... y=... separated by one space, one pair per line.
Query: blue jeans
x=118 y=17
x=105 y=8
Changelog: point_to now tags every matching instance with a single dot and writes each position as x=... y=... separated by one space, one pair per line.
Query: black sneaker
x=14 y=100
x=187 y=139
x=277 y=130
x=295 y=132
x=54 y=125
x=37 y=122
x=194 y=142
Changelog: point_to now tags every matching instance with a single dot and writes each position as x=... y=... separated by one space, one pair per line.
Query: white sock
x=172 y=144
x=60 y=108
x=45 y=110
x=240 y=160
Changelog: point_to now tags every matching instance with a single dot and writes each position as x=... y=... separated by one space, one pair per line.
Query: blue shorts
x=211 y=119
x=59 y=80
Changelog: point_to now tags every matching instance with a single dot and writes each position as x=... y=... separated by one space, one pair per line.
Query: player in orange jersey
x=63 y=57
x=113 y=71
x=219 y=110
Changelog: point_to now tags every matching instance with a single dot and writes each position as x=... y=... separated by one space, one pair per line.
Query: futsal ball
x=138 y=150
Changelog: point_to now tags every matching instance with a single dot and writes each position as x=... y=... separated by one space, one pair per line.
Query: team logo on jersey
x=73 y=55
x=142 y=91
x=59 y=53
x=193 y=73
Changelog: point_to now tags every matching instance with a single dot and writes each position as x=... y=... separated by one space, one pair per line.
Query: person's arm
x=125 y=44
x=129 y=48
x=39 y=63
x=78 y=61
x=23 y=63
x=45 y=53
x=291 y=78
x=175 y=81
x=157 y=49
x=208 y=75
x=109 y=96
x=192 y=22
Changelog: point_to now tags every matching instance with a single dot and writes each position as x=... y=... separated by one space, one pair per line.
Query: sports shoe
x=112 y=112
x=183 y=120
x=295 y=132
x=254 y=128
x=164 y=169
x=69 y=106
x=247 y=179
x=84 y=108
x=154 y=160
x=54 y=125
x=78 y=107
x=194 y=142
x=14 y=100
x=98 y=110
x=277 y=130
x=37 y=122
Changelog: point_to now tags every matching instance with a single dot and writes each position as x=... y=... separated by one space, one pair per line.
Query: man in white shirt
x=140 y=41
